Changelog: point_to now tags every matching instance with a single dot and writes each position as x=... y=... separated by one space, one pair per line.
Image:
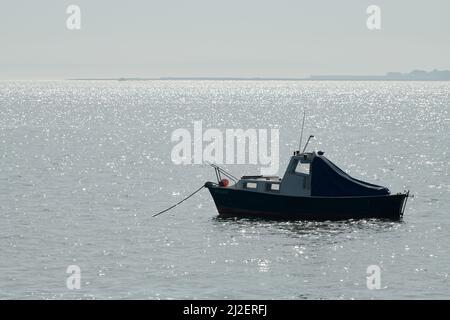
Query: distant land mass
x=416 y=75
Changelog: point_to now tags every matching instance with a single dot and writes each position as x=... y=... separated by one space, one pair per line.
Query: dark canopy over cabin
x=328 y=180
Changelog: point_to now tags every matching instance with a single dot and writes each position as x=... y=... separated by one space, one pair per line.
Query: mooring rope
x=157 y=214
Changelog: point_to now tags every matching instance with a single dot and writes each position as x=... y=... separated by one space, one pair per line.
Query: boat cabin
x=296 y=180
x=310 y=174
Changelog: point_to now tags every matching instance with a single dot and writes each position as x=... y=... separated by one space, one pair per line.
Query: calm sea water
x=84 y=165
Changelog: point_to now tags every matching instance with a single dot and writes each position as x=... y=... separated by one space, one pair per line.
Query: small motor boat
x=312 y=188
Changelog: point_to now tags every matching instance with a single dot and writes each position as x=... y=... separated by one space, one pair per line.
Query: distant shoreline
x=416 y=75
x=248 y=79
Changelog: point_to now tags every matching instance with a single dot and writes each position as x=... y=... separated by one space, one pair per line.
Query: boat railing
x=220 y=171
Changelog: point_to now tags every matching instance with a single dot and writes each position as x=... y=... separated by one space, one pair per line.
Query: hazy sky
x=247 y=38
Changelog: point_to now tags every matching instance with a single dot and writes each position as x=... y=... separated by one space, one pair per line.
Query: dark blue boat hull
x=243 y=203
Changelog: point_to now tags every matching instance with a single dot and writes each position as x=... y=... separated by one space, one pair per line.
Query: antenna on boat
x=301 y=133
x=311 y=136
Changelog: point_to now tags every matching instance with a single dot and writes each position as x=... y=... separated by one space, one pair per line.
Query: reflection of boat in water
x=312 y=188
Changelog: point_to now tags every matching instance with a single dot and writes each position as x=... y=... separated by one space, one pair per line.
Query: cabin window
x=274 y=187
x=302 y=168
x=250 y=185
